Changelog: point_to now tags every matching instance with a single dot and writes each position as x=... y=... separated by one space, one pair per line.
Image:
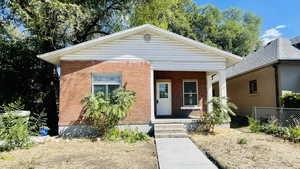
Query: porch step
x=169 y=131
x=171 y=135
x=168 y=126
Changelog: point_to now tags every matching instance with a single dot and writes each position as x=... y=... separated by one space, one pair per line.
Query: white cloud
x=280 y=26
x=272 y=34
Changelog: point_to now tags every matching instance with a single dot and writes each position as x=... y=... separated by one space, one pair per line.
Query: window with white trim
x=105 y=82
x=190 y=93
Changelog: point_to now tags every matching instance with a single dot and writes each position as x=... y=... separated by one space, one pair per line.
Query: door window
x=163 y=90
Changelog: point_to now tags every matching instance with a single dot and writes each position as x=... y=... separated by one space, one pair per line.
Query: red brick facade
x=177 y=78
x=75 y=83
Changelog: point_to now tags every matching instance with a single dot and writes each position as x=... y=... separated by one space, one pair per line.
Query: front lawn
x=82 y=153
x=240 y=149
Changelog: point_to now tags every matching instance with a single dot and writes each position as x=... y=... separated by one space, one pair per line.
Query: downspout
x=275 y=66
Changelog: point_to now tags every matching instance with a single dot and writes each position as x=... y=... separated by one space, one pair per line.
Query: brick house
x=170 y=74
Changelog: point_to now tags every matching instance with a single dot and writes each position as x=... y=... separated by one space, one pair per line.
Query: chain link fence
x=284 y=116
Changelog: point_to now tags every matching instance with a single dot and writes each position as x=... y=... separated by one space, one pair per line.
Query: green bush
x=295 y=134
x=290 y=133
x=254 y=125
x=14 y=130
x=36 y=122
x=129 y=136
x=222 y=109
x=104 y=112
x=13 y=106
x=291 y=100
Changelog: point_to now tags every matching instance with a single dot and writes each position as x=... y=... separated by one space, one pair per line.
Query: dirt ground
x=260 y=152
x=82 y=153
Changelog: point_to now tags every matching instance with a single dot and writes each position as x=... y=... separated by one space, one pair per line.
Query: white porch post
x=222 y=83
x=152 y=94
x=209 y=91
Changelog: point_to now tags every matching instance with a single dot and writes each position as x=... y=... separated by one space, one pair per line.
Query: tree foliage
x=31 y=27
x=232 y=30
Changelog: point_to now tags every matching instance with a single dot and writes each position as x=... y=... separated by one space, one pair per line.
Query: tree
x=232 y=30
x=171 y=15
x=41 y=26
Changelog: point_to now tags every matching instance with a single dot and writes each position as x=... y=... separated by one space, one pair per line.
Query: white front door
x=163 y=99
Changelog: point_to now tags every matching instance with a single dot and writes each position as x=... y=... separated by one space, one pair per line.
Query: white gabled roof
x=54 y=57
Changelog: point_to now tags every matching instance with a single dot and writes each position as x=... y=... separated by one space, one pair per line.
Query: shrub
x=290 y=133
x=36 y=122
x=242 y=141
x=129 y=136
x=295 y=134
x=254 y=125
x=104 y=112
x=222 y=109
x=14 y=130
x=13 y=106
x=291 y=100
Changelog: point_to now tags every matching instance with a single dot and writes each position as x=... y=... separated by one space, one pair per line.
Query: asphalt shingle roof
x=279 y=49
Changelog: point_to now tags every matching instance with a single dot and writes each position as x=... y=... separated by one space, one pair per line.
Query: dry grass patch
x=256 y=150
x=82 y=153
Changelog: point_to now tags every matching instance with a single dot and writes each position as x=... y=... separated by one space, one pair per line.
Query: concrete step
x=168 y=126
x=170 y=131
x=171 y=135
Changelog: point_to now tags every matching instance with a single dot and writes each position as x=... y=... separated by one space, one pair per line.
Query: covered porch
x=182 y=96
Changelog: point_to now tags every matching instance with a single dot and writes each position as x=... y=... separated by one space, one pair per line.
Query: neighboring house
x=261 y=77
x=170 y=74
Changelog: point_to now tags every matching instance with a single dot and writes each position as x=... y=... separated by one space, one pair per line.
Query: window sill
x=190 y=108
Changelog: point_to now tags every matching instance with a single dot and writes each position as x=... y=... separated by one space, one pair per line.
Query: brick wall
x=177 y=78
x=75 y=83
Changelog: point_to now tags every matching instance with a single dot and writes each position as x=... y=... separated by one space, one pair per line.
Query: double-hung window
x=190 y=93
x=105 y=82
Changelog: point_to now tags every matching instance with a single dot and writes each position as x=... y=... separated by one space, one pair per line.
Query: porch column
x=152 y=94
x=209 y=91
x=222 y=83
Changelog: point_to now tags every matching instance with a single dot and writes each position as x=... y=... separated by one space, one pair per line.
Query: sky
x=280 y=18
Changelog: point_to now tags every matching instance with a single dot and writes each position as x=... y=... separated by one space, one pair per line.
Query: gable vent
x=147 y=37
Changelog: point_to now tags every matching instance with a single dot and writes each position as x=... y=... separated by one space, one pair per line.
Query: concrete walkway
x=181 y=153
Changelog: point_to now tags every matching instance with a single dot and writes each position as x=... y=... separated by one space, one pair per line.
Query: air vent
x=147 y=37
